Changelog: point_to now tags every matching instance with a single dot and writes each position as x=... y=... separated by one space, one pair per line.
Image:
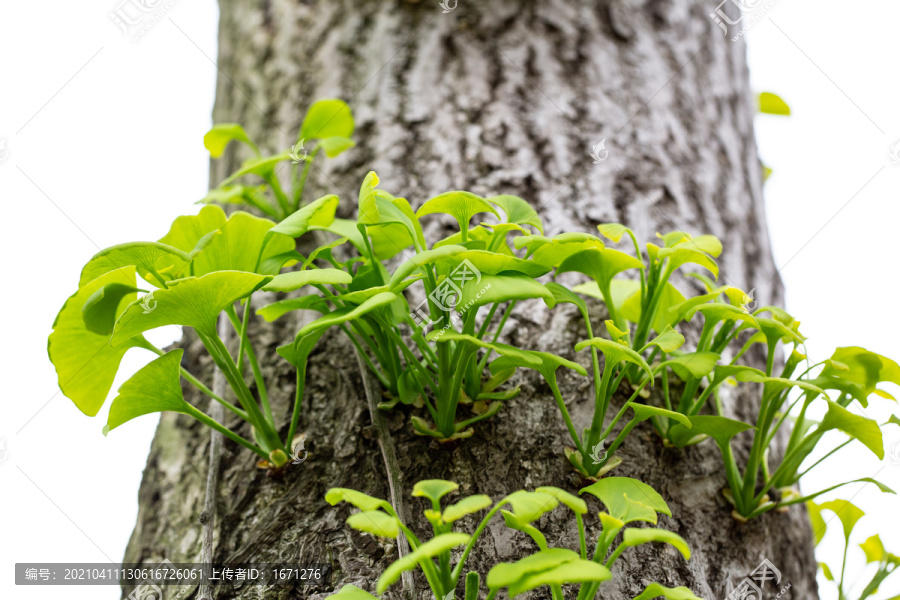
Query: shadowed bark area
x=496 y=97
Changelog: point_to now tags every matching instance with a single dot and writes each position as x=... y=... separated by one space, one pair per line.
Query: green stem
x=247 y=347
x=209 y=421
x=565 y=413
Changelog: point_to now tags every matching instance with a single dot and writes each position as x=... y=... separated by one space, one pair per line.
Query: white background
x=104 y=141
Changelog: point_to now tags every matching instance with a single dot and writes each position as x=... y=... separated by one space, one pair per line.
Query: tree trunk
x=506 y=96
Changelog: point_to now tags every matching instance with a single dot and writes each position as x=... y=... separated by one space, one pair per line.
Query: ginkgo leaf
x=553 y=566
x=464 y=507
x=493 y=263
x=462 y=206
x=668 y=340
x=361 y=501
x=263 y=166
x=500 y=288
x=294 y=280
x=327 y=118
x=502 y=349
x=772 y=104
x=422 y=259
x=628 y=499
x=550 y=252
x=143 y=255
x=194 y=302
x=849 y=514
x=156 y=387
x=613 y=231
x=85 y=362
x=685 y=253
x=434 y=489
x=518 y=211
x=433 y=547
x=575 y=503
x=548 y=365
x=375 y=522
x=863 y=367
x=351 y=592
x=655 y=590
x=776 y=384
x=631 y=305
x=615 y=353
x=336 y=145
x=342 y=315
x=642 y=412
x=863 y=429
x=721 y=312
x=693 y=364
x=873 y=548
x=102 y=308
x=217 y=138
x=529 y=506
x=318 y=213
x=635 y=537
x=599 y=265
x=721 y=429
x=276 y=310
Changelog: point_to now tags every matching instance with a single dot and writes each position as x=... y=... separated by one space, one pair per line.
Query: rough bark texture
x=494 y=97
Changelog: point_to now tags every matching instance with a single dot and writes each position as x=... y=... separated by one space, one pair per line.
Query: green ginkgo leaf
x=464 y=507
x=462 y=206
x=389 y=221
x=376 y=522
x=434 y=489
x=550 y=252
x=236 y=194
x=772 y=104
x=655 y=590
x=85 y=362
x=668 y=340
x=194 y=302
x=276 y=310
x=294 y=280
x=615 y=353
x=518 y=211
x=721 y=429
x=863 y=429
x=873 y=548
x=776 y=384
x=422 y=259
x=327 y=118
x=818 y=524
x=361 y=501
x=721 y=312
x=156 y=387
x=336 y=145
x=342 y=315
x=490 y=289
x=547 y=367
x=863 y=367
x=631 y=304
x=433 y=547
x=102 y=308
x=445 y=336
x=642 y=412
x=599 y=265
x=529 y=506
x=849 y=514
x=688 y=252
x=613 y=231
x=574 y=503
x=143 y=255
x=493 y=263
x=318 y=213
x=693 y=364
x=262 y=166
x=217 y=138
x=554 y=566
x=628 y=499
x=351 y=592
x=635 y=537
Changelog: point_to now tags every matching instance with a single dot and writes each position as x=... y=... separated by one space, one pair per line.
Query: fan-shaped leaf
x=195 y=302
x=351 y=592
x=555 y=566
x=154 y=388
x=863 y=429
x=655 y=590
x=499 y=288
x=143 y=255
x=693 y=364
x=575 y=503
x=376 y=522
x=518 y=211
x=361 y=501
x=635 y=537
x=601 y=265
x=615 y=353
x=462 y=206
x=276 y=310
x=102 y=308
x=628 y=499
x=294 y=280
x=335 y=145
x=318 y=213
x=464 y=507
x=434 y=489
x=217 y=138
x=433 y=547
x=327 y=118
x=342 y=315
x=668 y=340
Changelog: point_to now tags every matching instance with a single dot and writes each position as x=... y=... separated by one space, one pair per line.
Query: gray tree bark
x=506 y=96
